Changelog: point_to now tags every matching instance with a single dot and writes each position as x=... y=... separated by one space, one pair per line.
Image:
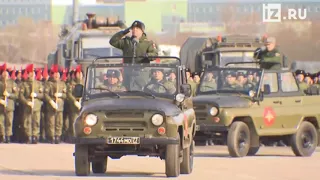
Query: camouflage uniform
x=31 y=115
x=6 y=113
x=18 y=114
x=209 y=85
x=55 y=116
x=143 y=48
x=156 y=87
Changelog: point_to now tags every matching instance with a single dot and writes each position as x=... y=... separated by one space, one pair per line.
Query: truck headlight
x=157 y=119
x=91 y=119
x=213 y=111
x=180 y=97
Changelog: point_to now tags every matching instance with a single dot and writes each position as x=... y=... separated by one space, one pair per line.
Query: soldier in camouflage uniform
x=55 y=94
x=31 y=95
x=67 y=108
x=112 y=82
x=172 y=77
x=8 y=95
x=44 y=107
x=159 y=84
x=191 y=82
x=209 y=83
x=302 y=84
x=231 y=83
x=74 y=102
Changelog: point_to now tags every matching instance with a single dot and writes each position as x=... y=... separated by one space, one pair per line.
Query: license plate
x=197 y=127
x=123 y=140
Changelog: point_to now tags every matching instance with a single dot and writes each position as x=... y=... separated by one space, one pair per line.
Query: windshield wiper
x=114 y=93
x=145 y=93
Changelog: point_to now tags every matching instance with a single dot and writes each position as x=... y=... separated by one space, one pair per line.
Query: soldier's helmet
x=195 y=74
x=113 y=73
x=300 y=72
x=240 y=74
x=138 y=24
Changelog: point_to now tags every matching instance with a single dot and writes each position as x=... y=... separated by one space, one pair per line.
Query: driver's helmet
x=241 y=74
x=155 y=70
x=113 y=73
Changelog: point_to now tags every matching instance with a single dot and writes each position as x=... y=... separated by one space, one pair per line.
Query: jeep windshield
x=118 y=80
x=230 y=57
x=230 y=80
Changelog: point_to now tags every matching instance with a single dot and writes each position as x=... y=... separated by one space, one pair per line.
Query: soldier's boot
x=57 y=140
x=34 y=140
x=8 y=139
x=2 y=138
x=50 y=140
x=29 y=140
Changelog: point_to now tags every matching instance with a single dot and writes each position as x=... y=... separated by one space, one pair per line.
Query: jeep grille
x=201 y=111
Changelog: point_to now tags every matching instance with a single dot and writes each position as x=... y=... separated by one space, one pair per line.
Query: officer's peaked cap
x=113 y=73
x=299 y=71
x=138 y=24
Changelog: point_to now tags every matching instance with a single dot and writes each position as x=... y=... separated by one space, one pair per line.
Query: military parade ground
x=55 y=162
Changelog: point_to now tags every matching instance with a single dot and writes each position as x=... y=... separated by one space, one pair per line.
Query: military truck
x=245 y=105
x=198 y=53
x=87 y=40
x=153 y=119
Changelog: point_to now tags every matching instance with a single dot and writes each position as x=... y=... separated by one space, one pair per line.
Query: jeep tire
x=238 y=139
x=304 y=142
x=253 y=151
x=173 y=159
x=186 y=165
x=82 y=164
x=100 y=166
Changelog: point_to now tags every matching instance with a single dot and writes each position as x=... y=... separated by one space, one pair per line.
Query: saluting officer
x=144 y=47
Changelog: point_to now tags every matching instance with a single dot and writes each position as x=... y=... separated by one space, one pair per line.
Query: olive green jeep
x=244 y=106
x=135 y=109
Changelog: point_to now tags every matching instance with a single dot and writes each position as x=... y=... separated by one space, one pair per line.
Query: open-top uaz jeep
x=245 y=105
x=135 y=109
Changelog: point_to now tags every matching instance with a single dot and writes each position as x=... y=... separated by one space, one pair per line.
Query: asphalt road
x=55 y=162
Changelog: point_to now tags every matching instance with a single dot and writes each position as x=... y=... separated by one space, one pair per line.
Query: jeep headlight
x=180 y=97
x=213 y=111
x=91 y=119
x=157 y=119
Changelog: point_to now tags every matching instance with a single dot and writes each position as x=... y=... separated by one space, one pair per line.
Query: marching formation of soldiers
x=38 y=104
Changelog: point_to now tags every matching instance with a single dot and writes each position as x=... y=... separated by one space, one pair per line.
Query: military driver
x=231 y=82
x=139 y=39
x=159 y=84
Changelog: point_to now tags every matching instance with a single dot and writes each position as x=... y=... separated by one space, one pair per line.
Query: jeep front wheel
x=304 y=141
x=82 y=164
x=100 y=166
x=253 y=151
x=238 y=139
x=173 y=160
x=186 y=165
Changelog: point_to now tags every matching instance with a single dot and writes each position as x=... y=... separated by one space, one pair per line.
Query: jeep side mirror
x=186 y=89
x=266 y=89
x=78 y=90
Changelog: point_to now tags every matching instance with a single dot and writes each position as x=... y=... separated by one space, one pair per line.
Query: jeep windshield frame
x=220 y=75
x=101 y=65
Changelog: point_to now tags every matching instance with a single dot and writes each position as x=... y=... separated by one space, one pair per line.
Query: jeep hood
x=132 y=104
x=222 y=101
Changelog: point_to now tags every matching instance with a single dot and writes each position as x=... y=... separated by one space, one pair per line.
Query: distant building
x=12 y=10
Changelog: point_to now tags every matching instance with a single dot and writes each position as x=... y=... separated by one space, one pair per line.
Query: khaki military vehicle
x=137 y=110
x=198 y=53
x=245 y=105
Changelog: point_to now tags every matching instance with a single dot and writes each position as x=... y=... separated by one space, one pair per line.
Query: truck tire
x=82 y=164
x=173 y=160
x=186 y=165
x=253 y=151
x=100 y=166
x=304 y=142
x=238 y=139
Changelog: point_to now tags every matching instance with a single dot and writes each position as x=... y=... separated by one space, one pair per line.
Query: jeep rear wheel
x=100 y=166
x=82 y=164
x=304 y=141
x=173 y=160
x=238 y=139
x=186 y=165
